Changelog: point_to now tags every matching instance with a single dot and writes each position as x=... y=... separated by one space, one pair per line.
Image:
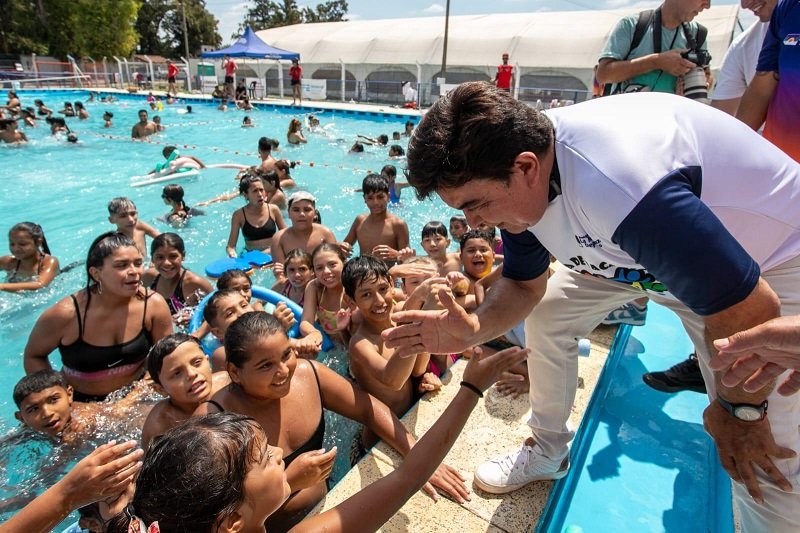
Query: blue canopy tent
x=251 y=46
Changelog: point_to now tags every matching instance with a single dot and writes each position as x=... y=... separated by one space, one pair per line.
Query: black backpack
x=642 y=23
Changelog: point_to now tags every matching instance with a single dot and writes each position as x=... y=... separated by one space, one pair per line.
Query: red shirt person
x=172 y=75
x=505 y=74
x=296 y=73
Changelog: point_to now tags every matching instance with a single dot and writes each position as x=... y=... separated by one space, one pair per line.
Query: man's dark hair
x=476 y=234
x=363 y=269
x=373 y=183
x=37 y=382
x=476 y=131
x=264 y=145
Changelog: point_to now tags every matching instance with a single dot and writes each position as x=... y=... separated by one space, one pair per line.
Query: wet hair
x=56 y=121
x=357 y=147
x=103 y=246
x=189 y=108
x=193 y=476
x=397 y=149
x=245 y=330
x=210 y=310
x=383 y=139
x=38 y=102
x=119 y=203
x=67 y=104
x=328 y=247
x=389 y=171
x=174 y=193
x=476 y=234
x=294 y=126
x=78 y=105
x=284 y=165
x=272 y=178
x=72 y=138
x=37 y=382
x=246 y=119
x=224 y=281
x=157 y=118
x=170 y=240
x=247 y=180
x=264 y=145
x=167 y=151
x=35 y=231
x=409 y=123
x=317 y=217
x=301 y=255
x=362 y=269
x=109 y=113
x=459 y=218
x=373 y=183
x=475 y=131
x=141 y=111
x=434 y=227
x=163 y=348
x=6 y=122
x=275 y=143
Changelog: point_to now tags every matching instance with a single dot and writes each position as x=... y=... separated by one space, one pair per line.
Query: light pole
x=444 y=47
x=185 y=33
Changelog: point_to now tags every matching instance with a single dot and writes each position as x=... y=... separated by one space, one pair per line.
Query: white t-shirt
x=739 y=63
x=667 y=194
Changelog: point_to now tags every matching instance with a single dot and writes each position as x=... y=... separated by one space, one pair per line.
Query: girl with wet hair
x=172 y=195
x=223 y=472
x=104 y=331
x=258 y=221
x=282 y=167
x=272 y=184
x=30 y=265
x=295 y=133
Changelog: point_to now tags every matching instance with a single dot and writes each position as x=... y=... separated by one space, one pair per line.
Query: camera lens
x=694 y=85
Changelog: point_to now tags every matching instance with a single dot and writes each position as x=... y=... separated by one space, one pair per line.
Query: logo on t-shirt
x=791 y=39
x=587 y=242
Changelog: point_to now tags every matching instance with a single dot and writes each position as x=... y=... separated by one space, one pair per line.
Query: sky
x=230 y=13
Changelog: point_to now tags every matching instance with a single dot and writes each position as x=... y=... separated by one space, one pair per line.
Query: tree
x=74 y=27
x=268 y=14
x=200 y=25
x=148 y=26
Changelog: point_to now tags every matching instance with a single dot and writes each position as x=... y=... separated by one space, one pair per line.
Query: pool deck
x=497 y=425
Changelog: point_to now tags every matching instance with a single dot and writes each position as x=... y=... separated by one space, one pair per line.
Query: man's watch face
x=748 y=414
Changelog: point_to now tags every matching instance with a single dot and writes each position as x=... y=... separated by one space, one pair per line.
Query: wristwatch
x=745 y=411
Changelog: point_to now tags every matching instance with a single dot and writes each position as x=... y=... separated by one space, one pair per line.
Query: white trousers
x=575 y=304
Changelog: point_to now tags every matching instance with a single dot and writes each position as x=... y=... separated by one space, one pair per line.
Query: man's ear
x=18 y=416
x=529 y=166
x=70 y=394
x=234 y=523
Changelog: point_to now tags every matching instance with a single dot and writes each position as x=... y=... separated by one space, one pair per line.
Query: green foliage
x=268 y=14
x=200 y=25
x=75 y=27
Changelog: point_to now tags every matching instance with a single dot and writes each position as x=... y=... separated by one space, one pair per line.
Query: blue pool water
x=65 y=189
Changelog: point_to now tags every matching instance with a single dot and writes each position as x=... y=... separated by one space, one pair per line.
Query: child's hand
x=405 y=253
x=458 y=282
x=310 y=468
x=482 y=370
x=346 y=247
x=307 y=347
x=512 y=384
x=104 y=473
x=343 y=317
x=449 y=480
x=284 y=315
x=277 y=269
x=387 y=253
x=430 y=382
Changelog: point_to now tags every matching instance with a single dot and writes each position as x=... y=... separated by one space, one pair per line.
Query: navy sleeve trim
x=678 y=239
x=524 y=257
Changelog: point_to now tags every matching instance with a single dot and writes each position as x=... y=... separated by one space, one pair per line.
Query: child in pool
x=304 y=233
x=294 y=275
x=123 y=214
x=295 y=133
x=324 y=298
x=30 y=265
x=179 y=286
x=107 y=116
x=216 y=497
x=286 y=396
x=378 y=232
x=247 y=122
x=224 y=307
x=458 y=227
x=391 y=379
x=435 y=243
x=181 y=372
x=259 y=221
x=172 y=195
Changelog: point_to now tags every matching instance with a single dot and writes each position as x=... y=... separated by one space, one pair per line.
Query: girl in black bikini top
x=30 y=266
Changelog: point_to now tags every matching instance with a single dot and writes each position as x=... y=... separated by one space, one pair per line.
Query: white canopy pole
x=344 y=79
x=280 y=77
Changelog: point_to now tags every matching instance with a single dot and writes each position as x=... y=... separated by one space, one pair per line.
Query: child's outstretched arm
x=371 y=507
x=392 y=372
x=105 y=473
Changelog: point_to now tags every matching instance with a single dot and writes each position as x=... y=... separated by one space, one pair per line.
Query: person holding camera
x=659 y=50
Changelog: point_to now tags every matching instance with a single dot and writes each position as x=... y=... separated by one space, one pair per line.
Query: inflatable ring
x=268 y=296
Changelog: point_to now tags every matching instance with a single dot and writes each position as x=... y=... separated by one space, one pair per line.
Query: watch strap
x=732 y=407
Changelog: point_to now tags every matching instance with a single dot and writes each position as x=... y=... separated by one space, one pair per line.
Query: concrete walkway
x=497 y=425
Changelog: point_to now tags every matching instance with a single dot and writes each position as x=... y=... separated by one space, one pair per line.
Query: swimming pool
x=65 y=188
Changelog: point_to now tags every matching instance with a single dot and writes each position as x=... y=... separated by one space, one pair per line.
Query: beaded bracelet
x=472 y=387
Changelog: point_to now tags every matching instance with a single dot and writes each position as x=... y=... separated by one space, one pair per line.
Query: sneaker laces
x=507 y=462
x=688 y=366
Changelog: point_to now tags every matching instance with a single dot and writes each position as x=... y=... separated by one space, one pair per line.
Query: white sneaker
x=518 y=468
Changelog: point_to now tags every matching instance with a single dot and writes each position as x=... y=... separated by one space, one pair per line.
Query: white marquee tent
x=565 y=44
